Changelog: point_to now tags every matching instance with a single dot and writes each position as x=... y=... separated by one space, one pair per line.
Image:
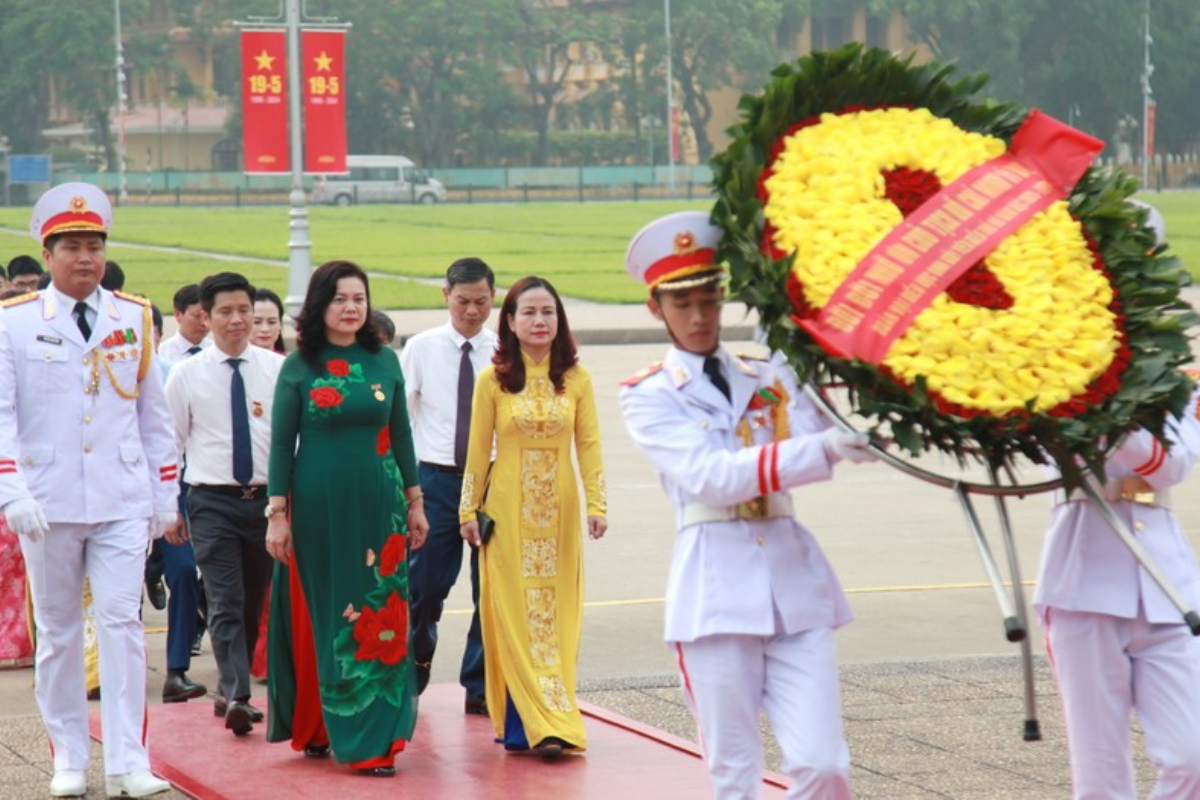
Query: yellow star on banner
x=323 y=62
x=265 y=60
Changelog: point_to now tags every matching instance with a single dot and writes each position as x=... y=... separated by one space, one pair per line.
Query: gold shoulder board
x=19 y=299
x=133 y=298
x=634 y=380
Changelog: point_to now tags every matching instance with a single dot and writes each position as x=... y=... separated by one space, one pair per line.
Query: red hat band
x=665 y=268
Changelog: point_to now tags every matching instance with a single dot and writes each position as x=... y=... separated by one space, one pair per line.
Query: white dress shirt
x=198 y=393
x=175 y=347
x=430 y=362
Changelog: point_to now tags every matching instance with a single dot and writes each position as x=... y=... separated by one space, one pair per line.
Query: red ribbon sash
x=949 y=233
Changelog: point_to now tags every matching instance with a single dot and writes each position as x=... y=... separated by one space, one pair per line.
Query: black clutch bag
x=487 y=526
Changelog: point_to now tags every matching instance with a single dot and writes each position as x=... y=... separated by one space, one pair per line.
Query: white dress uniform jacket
x=71 y=432
x=1086 y=567
x=745 y=576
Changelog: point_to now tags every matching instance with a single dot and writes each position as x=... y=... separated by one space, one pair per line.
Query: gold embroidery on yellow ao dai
x=531 y=588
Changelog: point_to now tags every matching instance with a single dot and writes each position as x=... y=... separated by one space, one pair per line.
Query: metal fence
x=504 y=185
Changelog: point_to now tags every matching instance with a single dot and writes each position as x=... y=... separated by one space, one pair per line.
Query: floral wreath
x=1065 y=336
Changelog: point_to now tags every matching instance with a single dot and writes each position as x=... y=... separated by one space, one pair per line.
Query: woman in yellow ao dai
x=533 y=402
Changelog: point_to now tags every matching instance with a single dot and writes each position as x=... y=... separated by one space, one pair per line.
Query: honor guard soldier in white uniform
x=1116 y=642
x=752 y=602
x=87 y=478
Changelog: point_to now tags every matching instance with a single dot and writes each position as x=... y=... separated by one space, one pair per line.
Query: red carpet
x=452 y=757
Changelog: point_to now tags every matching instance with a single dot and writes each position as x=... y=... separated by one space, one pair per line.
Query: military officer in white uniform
x=87 y=478
x=1116 y=642
x=752 y=602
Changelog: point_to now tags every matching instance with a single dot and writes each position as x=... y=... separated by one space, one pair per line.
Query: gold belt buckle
x=249 y=492
x=753 y=509
x=1137 y=490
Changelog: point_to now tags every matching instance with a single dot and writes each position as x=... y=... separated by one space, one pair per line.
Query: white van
x=379 y=179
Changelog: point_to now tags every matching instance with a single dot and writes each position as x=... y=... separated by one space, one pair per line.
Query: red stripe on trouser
x=687 y=691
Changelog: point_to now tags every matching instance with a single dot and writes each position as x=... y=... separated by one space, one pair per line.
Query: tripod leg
x=1014 y=628
x=1033 y=730
x=1143 y=558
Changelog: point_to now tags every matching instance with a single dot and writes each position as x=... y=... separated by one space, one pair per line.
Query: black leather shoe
x=157 y=594
x=423 y=670
x=237 y=718
x=316 y=750
x=476 y=705
x=179 y=688
x=377 y=772
x=221 y=705
x=550 y=748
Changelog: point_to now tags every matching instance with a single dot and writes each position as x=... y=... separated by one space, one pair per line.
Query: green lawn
x=580 y=247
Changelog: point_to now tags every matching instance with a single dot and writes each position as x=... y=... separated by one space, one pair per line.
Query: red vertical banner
x=323 y=77
x=264 y=101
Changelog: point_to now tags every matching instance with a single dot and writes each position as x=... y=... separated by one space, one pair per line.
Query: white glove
x=851 y=446
x=26 y=518
x=161 y=522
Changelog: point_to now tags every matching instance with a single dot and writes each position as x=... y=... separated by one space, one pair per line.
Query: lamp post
x=299 y=243
x=1147 y=103
x=672 y=120
x=123 y=190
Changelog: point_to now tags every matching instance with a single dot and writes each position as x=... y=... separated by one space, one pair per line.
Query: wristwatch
x=270 y=510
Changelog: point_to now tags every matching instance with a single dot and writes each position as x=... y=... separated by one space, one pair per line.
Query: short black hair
x=387 y=328
x=114 y=277
x=24 y=265
x=156 y=318
x=188 y=295
x=469 y=270
x=213 y=285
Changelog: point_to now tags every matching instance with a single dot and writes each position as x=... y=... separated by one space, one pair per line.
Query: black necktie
x=462 y=420
x=191 y=351
x=81 y=319
x=712 y=368
x=243 y=456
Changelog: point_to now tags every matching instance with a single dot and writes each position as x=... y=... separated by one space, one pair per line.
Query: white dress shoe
x=68 y=783
x=135 y=784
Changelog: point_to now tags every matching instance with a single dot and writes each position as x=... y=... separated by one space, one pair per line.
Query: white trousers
x=113 y=556
x=1107 y=667
x=728 y=679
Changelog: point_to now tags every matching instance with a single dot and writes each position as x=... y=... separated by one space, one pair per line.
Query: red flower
x=395 y=550
x=383 y=635
x=338 y=367
x=383 y=442
x=326 y=396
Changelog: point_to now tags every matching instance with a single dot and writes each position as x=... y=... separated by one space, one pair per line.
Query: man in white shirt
x=440 y=366
x=191 y=335
x=221 y=403
x=88 y=476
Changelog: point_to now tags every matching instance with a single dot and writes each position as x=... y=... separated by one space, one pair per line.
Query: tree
x=415 y=75
x=718 y=44
x=1075 y=59
x=545 y=39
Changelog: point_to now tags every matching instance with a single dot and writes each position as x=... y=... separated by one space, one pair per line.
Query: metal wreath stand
x=1013 y=608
